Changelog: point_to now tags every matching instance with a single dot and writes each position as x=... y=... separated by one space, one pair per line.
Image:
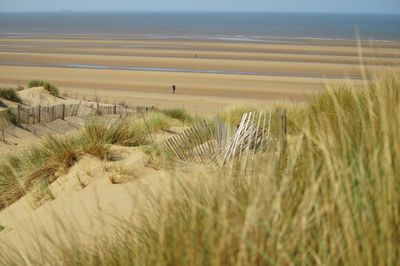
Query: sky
x=348 y=6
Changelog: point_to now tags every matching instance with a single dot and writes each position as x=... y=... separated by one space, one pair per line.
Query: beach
x=199 y=137
x=208 y=74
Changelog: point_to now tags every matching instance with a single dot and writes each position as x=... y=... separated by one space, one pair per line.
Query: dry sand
x=89 y=202
x=85 y=203
x=142 y=71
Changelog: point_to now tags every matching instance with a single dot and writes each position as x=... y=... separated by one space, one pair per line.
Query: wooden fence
x=213 y=144
x=122 y=110
x=196 y=144
x=46 y=114
x=3 y=123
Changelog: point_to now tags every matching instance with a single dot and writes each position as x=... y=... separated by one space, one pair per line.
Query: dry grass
x=56 y=154
x=10 y=94
x=331 y=198
x=156 y=121
x=233 y=114
x=46 y=85
x=179 y=114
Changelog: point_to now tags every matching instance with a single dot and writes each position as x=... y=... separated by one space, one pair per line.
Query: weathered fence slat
x=46 y=114
x=208 y=143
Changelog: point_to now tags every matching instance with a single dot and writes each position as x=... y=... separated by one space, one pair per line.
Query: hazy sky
x=353 y=6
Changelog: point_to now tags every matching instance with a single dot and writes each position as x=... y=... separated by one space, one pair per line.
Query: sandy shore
x=208 y=74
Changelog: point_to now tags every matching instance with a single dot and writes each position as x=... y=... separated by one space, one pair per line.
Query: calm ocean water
x=241 y=26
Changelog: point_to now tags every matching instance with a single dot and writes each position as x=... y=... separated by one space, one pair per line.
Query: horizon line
x=66 y=10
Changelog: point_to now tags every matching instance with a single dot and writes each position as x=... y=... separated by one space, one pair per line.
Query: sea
x=253 y=27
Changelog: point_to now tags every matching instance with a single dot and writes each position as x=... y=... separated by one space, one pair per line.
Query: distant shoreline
x=255 y=39
x=192 y=12
x=237 y=26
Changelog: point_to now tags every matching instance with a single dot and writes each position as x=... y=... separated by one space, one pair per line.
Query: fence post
x=115 y=108
x=98 y=107
x=19 y=114
x=3 y=136
x=283 y=137
x=39 y=113
x=63 y=111
x=284 y=129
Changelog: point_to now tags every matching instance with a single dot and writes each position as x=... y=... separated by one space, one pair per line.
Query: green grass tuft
x=46 y=85
x=127 y=132
x=179 y=114
x=56 y=154
x=156 y=121
x=10 y=94
x=233 y=115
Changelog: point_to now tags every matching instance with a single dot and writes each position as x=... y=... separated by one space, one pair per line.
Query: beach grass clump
x=295 y=115
x=156 y=121
x=179 y=114
x=10 y=94
x=10 y=189
x=46 y=85
x=63 y=151
x=37 y=165
x=233 y=115
x=126 y=132
x=41 y=164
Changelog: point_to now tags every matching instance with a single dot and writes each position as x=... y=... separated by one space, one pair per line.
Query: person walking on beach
x=173 y=89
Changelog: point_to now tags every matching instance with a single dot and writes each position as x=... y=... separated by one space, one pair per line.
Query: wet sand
x=208 y=74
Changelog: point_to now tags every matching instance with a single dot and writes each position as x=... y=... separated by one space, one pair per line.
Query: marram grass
x=52 y=89
x=331 y=198
x=56 y=154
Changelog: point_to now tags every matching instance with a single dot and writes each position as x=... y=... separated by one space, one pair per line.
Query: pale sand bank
x=198 y=92
x=248 y=72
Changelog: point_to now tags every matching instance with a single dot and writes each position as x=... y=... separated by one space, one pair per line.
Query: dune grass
x=155 y=121
x=56 y=154
x=331 y=198
x=46 y=85
x=20 y=173
x=232 y=115
x=10 y=94
x=127 y=132
x=179 y=114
